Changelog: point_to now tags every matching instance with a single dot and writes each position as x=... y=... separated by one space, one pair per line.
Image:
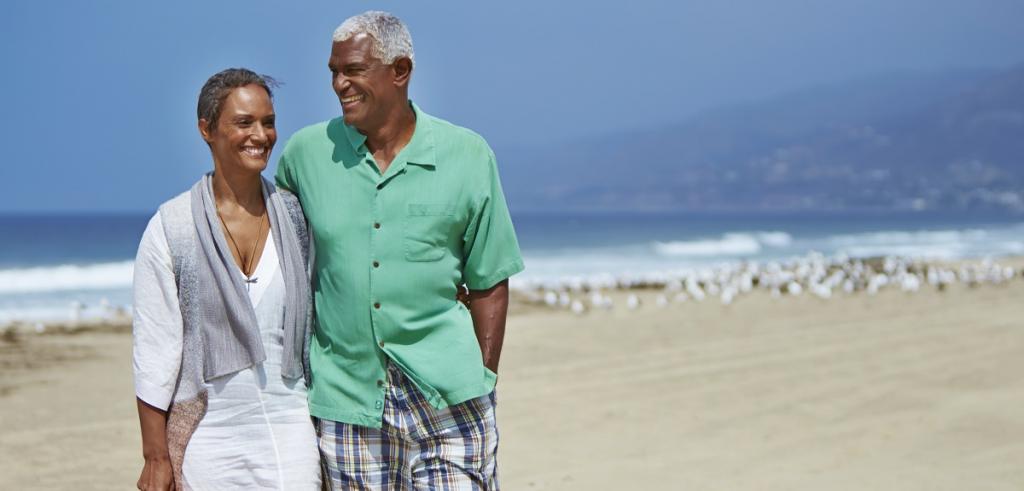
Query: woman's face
x=244 y=135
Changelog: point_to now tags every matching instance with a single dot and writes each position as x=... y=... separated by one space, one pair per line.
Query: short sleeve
x=491 y=251
x=157 y=329
x=285 y=175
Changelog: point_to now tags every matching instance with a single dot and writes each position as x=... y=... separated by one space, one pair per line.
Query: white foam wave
x=926 y=237
x=733 y=247
x=102 y=276
x=929 y=244
x=916 y=251
x=775 y=239
x=731 y=244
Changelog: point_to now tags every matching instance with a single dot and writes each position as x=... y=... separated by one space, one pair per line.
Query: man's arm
x=489 y=308
x=284 y=178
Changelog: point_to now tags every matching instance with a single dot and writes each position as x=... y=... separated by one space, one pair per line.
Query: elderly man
x=403 y=207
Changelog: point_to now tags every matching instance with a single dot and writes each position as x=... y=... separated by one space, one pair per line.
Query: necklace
x=247 y=264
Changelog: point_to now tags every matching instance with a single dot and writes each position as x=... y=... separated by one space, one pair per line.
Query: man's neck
x=391 y=137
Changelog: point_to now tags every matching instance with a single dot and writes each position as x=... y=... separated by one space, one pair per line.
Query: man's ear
x=205 y=130
x=403 y=71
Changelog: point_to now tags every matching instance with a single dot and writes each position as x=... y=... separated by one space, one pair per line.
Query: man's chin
x=350 y=118
x=355 y=121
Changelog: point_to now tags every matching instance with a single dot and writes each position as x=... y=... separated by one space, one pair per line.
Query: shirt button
x=380 y=383
x=376 y=264
x=376 y=225
x=381 y=344
x=379 y=404
x=376 y=305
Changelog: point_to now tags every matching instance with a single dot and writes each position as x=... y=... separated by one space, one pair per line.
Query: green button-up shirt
x=390 y=250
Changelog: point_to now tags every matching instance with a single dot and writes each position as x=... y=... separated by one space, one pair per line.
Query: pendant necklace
x=247 y=265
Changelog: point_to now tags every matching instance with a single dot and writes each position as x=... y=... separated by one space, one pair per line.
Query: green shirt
x=390 y=250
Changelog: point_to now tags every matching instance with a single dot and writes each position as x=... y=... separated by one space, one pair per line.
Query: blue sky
x=100 y=96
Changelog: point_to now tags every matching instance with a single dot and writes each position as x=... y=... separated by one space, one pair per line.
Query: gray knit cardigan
x=189 y=402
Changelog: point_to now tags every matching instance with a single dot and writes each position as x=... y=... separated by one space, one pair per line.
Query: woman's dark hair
x=217 y=88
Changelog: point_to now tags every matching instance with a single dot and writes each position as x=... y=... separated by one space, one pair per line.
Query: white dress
x=257 y=432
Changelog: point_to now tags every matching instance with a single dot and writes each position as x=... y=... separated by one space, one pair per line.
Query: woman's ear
x=205 y=130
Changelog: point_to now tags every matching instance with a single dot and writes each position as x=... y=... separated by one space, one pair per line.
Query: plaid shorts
x=417 y=446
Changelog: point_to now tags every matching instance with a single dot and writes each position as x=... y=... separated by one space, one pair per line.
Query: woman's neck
x=234 y=190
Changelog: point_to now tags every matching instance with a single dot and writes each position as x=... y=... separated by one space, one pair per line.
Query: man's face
x=366 y=87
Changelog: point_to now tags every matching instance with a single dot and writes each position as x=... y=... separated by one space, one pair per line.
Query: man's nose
x=341 y=82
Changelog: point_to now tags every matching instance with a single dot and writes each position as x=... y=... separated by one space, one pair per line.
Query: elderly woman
x=222 y=314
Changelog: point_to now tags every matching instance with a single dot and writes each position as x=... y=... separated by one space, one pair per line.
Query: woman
x=222 y=314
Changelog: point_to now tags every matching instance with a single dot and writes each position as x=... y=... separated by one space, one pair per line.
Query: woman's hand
x=156 y=475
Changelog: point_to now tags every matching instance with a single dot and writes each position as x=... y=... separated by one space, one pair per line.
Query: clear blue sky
x=99 y=96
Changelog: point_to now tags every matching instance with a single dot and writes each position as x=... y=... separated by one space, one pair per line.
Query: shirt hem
x=153 y=394
x=464 y=395
x=347 y=417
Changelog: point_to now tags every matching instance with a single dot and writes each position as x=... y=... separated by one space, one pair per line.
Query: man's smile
x=352 y=99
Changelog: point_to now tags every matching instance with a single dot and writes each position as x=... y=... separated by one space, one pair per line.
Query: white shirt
x=257 y=432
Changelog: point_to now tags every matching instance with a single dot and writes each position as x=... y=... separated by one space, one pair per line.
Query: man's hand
x=156 y=475
x=462 y=294
x=490 y=308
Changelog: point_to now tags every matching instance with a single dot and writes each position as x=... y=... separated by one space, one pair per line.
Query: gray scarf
x=231 y=336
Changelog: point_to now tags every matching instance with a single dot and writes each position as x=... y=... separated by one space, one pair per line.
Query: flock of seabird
x=814 y=274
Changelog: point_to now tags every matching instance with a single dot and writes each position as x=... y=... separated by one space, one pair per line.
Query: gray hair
x=217 y=88
x=391 y=39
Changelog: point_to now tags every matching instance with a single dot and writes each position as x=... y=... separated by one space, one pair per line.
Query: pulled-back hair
x=217 y=88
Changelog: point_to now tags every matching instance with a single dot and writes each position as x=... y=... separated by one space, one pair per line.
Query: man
x=403 y=207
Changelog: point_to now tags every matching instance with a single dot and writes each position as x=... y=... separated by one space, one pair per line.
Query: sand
x=895 y=391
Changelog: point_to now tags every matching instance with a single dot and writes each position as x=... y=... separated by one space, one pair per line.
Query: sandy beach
x=895 y=391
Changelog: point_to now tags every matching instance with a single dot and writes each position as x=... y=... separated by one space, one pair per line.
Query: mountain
x=946 y=141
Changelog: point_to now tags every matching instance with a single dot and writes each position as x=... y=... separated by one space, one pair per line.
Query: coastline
x=895 y=390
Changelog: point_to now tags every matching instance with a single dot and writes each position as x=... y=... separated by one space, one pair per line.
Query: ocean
x=54 y=265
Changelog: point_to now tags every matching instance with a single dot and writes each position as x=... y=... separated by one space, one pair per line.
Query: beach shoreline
x=561 y=292
x=896 y=390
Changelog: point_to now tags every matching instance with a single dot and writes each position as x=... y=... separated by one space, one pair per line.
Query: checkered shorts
x=417 y=447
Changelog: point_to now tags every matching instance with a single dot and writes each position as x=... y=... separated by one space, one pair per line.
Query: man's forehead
x=355 y=48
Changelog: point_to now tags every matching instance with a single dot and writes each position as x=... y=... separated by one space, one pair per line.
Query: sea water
x=53 y=267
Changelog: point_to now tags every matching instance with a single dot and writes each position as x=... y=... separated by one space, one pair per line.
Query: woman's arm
x=156 y=473
x=156 y=351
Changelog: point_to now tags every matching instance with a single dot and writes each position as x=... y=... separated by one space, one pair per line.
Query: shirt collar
x=419 y=150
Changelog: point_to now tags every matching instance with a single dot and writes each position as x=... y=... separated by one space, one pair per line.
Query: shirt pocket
x=426 y=231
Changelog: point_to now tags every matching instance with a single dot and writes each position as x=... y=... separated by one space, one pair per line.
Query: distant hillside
x=952 y=140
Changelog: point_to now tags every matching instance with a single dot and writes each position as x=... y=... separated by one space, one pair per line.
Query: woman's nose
x=259 y=132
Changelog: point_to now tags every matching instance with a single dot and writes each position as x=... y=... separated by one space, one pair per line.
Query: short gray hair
x=391 y=39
